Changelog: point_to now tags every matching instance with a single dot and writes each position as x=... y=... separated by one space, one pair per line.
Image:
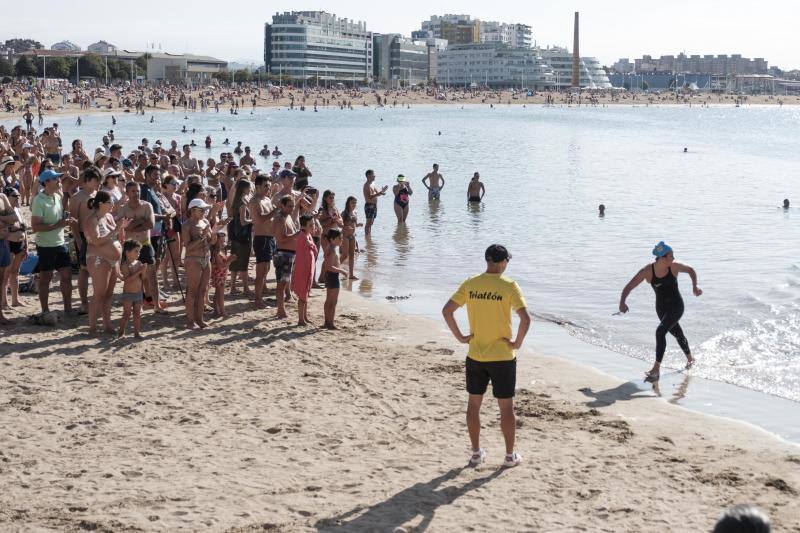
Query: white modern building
x=66 y=46
x=318 y=45
x=495 y=65
x=592 y=74
x=101 y=47
x=514 y=35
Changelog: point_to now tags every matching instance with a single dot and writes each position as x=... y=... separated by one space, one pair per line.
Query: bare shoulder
x=680 y=267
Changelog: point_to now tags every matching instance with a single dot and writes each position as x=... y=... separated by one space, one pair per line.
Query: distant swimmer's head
x=663 y=251
x=685 y=150
x=743 y=518
x=786 y=203
x=476 y=176
x=497 y=258
x=601 y=209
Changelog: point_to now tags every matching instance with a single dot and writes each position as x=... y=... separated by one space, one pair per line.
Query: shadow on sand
x=421 y=499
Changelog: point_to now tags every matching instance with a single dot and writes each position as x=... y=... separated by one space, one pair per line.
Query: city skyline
x=608 y=32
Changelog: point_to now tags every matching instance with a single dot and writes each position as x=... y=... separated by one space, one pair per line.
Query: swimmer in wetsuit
x=662 y=275
x=402 y=192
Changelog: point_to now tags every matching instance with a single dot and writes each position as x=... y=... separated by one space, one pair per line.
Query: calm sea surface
x=546 y=170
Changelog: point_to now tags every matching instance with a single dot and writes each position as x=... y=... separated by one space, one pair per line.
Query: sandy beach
x=405 y=98
x=256 y=424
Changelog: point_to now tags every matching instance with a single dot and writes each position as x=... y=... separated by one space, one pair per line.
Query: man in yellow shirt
x=490 y=298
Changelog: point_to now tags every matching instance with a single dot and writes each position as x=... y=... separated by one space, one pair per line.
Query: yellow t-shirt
x=490 y=299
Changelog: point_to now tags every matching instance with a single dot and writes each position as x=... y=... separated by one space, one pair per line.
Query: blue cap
x=127 y=163
x=661 y=249
x=48 y=175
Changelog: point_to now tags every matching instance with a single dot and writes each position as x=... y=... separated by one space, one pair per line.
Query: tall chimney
x=576 y=56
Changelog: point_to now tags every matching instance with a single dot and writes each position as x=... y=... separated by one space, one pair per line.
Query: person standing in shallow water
x=662 y=274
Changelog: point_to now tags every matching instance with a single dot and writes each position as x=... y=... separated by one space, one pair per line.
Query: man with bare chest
x=142 y=221
x=79 y=210
x=262 y=210
x=285 y=230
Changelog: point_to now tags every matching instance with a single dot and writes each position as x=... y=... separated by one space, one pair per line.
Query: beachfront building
x=101 y=47
x=183 y=67
x=455 y=29
x=514 y=35
x=720 y=65
x=495 y=65
x=65 y=46
x=315 y=45
x=623 y=66
x=592 y=75
x=399 y=61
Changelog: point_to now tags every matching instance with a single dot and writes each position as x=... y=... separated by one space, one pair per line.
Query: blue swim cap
x=661 y=249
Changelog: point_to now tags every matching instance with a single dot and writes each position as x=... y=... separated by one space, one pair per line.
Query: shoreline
x=256 y=423
x=419 y=100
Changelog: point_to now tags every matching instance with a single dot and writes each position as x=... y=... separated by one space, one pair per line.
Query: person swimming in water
x=662 y=274
x=786 y=203
x=475 y=189
x=601 y=210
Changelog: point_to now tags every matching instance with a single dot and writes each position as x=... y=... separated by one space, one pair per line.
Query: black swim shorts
x=264 y=248
x=332 y=280
x=502 y=374
x=52 y=258
x=284 y=262
x=371 y=211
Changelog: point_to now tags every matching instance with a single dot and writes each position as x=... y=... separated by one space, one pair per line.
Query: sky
x=609 y=30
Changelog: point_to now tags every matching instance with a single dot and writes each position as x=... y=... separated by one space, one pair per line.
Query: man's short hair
x=286 y=199
x=496 y=253
x=261 y=180
x=91 y=173
x=115 y=147
x=743 y=519
x=185 y=146
x=131 y=185
x=305 y=219
x=368 y=172
x=149 y=169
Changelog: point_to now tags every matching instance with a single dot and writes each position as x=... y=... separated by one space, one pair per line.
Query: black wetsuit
x=669 y=307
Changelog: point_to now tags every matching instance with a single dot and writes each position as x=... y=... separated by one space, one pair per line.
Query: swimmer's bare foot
x=108 y=331
x=137 y=336
x=259 y=304
x=281 y=314
x=317 y=286
x=329 y=325
x=353 y=277
x=652 y=376
x=120 y=334
x=201 y=324
x=690 y=361
x=16 y=304
x=190 y=325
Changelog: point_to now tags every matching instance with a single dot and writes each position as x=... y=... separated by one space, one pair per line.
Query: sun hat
x=661 y=249
x=8 y=160
x=111 y=172
x=401 y=178
x=48 y=175
x=198 y=203
x=10 y=191
x=497 y=253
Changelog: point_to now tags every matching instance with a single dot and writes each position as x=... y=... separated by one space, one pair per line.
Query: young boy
x=332 y=273
x=132 y=275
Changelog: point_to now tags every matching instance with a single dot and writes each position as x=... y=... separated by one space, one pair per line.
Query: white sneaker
x=478 y=456
x=512 y=460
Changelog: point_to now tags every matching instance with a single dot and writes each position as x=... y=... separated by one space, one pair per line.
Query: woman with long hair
x=240 y=234
x=104 y=250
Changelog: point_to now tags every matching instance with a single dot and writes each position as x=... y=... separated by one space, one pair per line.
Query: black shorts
x=17 y=247
x=264 y=248
x=55 y=158
x=53 y=258
x=332 y=280
x=371 y=211
x=502 y=374
x=158 y=247
x=147 y=254
x=82 y=249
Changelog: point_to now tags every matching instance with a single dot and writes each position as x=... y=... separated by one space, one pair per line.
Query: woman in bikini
x=328 y=218
x=349 y=246
x=198 y=235
x=402 y=195
x=103 y=236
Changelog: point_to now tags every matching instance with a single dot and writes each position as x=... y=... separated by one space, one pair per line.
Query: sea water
x=546 y=170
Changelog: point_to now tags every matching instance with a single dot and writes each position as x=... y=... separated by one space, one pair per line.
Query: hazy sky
x=609 y=29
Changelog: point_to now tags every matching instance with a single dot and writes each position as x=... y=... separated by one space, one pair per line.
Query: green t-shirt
x=50 y=210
